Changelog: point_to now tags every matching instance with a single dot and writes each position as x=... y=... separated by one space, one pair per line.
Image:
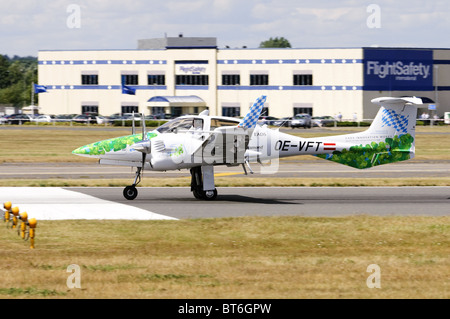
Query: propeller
x=144 y=145
x=144 y=138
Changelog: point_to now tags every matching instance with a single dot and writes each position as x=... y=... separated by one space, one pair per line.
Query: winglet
x=251 y=118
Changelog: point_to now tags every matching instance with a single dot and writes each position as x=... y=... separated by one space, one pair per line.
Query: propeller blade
x=144 y=133
x=144 y=155
x=133 y=127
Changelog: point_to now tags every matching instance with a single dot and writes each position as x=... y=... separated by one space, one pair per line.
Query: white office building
x=183 y=75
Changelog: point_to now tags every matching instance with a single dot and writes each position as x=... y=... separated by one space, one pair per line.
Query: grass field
x=251 y=257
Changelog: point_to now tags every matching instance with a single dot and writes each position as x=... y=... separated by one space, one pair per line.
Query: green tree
x=13 y=94
x=4 y=65
x=275 y=43
x=16 y=78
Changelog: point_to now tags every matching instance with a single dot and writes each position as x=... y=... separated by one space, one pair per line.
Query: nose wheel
x=130 y=192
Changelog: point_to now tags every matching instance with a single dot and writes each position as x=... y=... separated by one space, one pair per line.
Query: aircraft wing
x=231 y=142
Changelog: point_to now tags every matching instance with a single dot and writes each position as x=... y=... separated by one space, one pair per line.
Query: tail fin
x=396 y=121
x=397 y=116
x=251 y=118
x=390 y=138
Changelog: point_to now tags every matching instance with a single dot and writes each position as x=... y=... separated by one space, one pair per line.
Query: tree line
x=17 y=74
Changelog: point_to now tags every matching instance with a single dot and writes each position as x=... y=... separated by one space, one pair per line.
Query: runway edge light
x=15 y=211
x=25 y=222
x=6 y=215
x=23 y=225
x=32 y=222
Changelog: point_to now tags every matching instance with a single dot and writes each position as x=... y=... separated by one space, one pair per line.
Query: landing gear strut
x=130 y=192
x=202 y=183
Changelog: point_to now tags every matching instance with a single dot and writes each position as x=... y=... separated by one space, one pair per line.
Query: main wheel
x=198 y=194
x=130 y=192
x=210 y=195
x=205 y=195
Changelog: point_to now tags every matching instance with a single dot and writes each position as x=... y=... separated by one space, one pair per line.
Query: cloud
x=29 y=26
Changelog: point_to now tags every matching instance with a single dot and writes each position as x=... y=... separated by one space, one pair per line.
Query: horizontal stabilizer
x=382 y=101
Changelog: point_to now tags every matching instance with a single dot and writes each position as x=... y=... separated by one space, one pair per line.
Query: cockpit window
x=198 y=124
x=215 y=123
x=180 y=124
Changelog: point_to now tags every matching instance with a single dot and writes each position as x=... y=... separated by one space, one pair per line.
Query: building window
x=130 y=109
x=89 y=79
x=231 y=111
x=89 y=109
x=231 y=79
x=300 y=110
x=259 y=79
x=265 y=111
x=192 y=80
x=158 y=111
x=156 y=79
x=130 y=79
x=176 y=111
x=303 y=79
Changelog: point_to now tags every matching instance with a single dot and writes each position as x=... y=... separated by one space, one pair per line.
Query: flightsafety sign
x=398 y=70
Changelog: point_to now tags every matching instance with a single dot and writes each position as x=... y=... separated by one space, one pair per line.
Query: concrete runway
x=287 y=168
x=56 y=203
x=178 y=202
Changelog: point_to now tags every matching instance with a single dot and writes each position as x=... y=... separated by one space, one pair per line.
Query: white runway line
x=55 y=203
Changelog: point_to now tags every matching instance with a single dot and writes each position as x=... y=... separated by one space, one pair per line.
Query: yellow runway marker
x=226 y=174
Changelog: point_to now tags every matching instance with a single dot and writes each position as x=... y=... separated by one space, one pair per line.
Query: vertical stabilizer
x=396 y=117
x=251 y=118
x=390 y=138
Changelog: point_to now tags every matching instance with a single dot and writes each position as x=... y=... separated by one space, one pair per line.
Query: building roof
x=178 y=43
x=178 y=100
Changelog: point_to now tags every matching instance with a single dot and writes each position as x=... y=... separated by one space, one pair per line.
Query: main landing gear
x=202 y=183
x=130 y=192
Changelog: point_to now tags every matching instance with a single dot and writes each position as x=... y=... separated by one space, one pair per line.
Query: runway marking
x=55 y=203
x=227 y=174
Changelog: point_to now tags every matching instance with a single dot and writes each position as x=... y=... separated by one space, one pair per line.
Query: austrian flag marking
x=329 y=146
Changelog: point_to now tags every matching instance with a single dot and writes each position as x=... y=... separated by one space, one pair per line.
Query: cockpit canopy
x=196 y=123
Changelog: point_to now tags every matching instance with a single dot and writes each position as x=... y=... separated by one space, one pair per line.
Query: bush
x=148 y=123
x=347 y=123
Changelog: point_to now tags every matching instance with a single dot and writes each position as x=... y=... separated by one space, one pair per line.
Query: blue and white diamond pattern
x=249 y=121
x=393 y=119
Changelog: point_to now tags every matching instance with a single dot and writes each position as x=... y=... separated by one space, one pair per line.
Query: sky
x=27 y=26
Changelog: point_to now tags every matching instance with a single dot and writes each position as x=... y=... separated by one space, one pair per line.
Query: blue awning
x=191 y=100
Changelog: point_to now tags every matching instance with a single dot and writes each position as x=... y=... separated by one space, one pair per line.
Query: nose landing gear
x=130 y=192
x=202 y=184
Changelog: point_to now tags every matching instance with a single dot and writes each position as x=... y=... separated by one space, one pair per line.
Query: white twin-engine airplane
x=200 y=142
